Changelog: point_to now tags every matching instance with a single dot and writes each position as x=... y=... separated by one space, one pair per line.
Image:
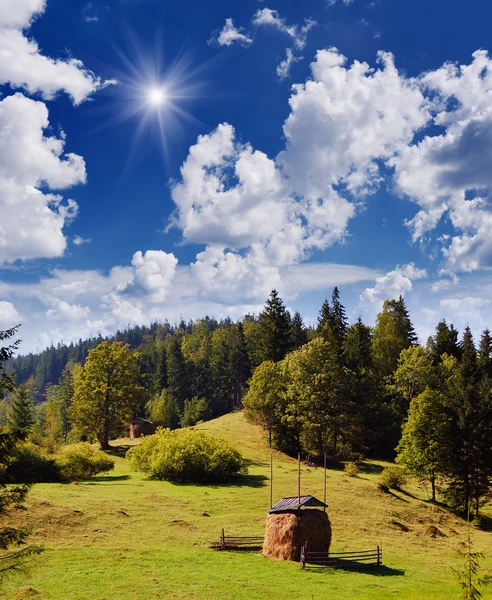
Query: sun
x=156 y=96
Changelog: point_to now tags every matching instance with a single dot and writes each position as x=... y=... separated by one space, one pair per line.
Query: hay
x=286 y=533
x=430 y=531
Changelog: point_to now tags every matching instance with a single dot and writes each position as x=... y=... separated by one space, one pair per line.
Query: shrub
x=393 y=477
x=185 y=456
x=351 y=469
x=82 y=461
x=31 y=464
x=195 y=410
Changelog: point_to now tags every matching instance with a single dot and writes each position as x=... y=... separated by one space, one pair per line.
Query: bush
x=393 y=477
x=31 y=464
x=195 y=410
x=81 y=461
x=185 y=456
x=351 y=469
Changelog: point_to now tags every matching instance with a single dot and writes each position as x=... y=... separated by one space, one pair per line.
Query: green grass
x=123 y=537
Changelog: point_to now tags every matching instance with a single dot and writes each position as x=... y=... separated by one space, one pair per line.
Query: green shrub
x=82 y=461
x=31 y=464
x=351 y=469
x=185 y=456
x=393 y=477
x=195 y=410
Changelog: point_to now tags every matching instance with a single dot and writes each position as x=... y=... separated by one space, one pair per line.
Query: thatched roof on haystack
x=295 y=503
x=287 y=533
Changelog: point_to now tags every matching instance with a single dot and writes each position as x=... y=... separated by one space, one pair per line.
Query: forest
x=348 y=390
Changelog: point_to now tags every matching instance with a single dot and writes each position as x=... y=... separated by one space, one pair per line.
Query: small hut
x=293 y=523
x=139 y=427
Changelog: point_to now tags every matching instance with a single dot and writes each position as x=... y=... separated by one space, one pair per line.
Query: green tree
x=14 y=553
x=107 y=391
x=20 y=416
x=485 y=355
x=177 y=373
x=163 y=411
x=392 y=334
x=299 y=331
x=444 y=341
x=414 y=373
x=263 y=401
x=468 y=577
x=324 y=317
x=338 y=319
x=424 y=446
x=275 y=330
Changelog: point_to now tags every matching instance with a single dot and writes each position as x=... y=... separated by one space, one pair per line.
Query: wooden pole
x=222 y=540
x=271 y=479
x=299 y=480
x=324 y=484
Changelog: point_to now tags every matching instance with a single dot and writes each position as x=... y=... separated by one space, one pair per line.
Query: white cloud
x=154 y=271
x=283 y=69
x=23 y=66
x=9 y=317
x=270 y=18
x=395 y=283
x=32 y=221
x=230 y=34
x=79 y=240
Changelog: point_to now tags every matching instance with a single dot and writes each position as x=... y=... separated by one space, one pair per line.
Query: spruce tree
x=406 y=323
x=445 y=341
x=177 y=373
x=275 y=330
x=324 y=317
x=299 y=331
x=338 y=318
x=21 y=413
x=485 y=355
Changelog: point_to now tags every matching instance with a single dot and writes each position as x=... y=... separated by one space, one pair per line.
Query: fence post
x=222 y=540
x=379 y=557
x=303 y=557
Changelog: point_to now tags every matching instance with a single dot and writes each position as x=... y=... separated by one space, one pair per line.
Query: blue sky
x=292 y=145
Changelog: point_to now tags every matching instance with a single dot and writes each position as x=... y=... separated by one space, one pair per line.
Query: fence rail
x=362 y=558
x=238 y=542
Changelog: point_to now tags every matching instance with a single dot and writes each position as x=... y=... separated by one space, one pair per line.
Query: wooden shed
x=139 y=427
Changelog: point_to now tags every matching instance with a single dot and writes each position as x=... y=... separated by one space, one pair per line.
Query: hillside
x=123 y=537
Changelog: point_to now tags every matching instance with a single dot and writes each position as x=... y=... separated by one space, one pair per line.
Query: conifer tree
x=485 y=355
x=275 y=330
x=338 y=318
x=324 y=317
x=445 y=341
x=20 y=417
x=177 y=373
x=299 y=331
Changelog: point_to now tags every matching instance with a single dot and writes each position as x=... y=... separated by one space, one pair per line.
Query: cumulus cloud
x=9 y=317
x=154 y=271
x=79 y=240
x=230 y=34
x=33 y=220
x=22 y=65
x=395 y=283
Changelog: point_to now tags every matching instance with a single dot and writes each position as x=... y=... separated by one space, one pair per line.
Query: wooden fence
x=349 y=560
x=237 y=542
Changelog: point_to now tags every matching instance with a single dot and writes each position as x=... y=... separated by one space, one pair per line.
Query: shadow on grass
x=382 y=571
x=254 y=481
x=111 y=478
x=119 y=451
x=370 y=468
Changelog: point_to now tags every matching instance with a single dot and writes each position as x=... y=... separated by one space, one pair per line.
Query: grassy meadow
x=121 y=536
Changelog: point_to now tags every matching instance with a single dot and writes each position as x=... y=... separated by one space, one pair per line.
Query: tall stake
x=271 y=479
x=299 y=480
x=324 y=485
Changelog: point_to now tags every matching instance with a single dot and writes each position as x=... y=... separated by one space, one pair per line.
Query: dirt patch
x=430 y=531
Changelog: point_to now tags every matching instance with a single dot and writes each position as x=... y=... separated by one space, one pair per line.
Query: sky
x=164 y=160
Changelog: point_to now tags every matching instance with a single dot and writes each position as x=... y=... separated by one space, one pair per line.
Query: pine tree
x=485 y=355
x=177 y=373
x=299 y=331
x=338 y=318
x=324 y=317
x=21 y=414
x=402 y=311
x=275 y=330
x=469 y=363
x=445 y=341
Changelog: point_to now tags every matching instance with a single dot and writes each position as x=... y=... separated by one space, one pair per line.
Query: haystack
x=286 y=533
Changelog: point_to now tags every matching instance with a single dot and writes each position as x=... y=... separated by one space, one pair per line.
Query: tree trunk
x=433 y=483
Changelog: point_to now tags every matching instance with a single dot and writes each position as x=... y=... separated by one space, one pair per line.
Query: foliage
x=275 y=330
x=31 y=464
x=424 y=446
x=163 y=411
x=351 y=469
x=195 y=410
x=107 y=391
x=393 y=477
x=468 y=576
x=81 y=461
x=20 y=416
x=186 y=456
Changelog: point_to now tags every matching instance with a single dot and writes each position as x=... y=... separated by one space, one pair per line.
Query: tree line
x=348 y=390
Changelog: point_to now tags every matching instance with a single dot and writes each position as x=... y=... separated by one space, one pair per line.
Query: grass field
x=123 y=537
